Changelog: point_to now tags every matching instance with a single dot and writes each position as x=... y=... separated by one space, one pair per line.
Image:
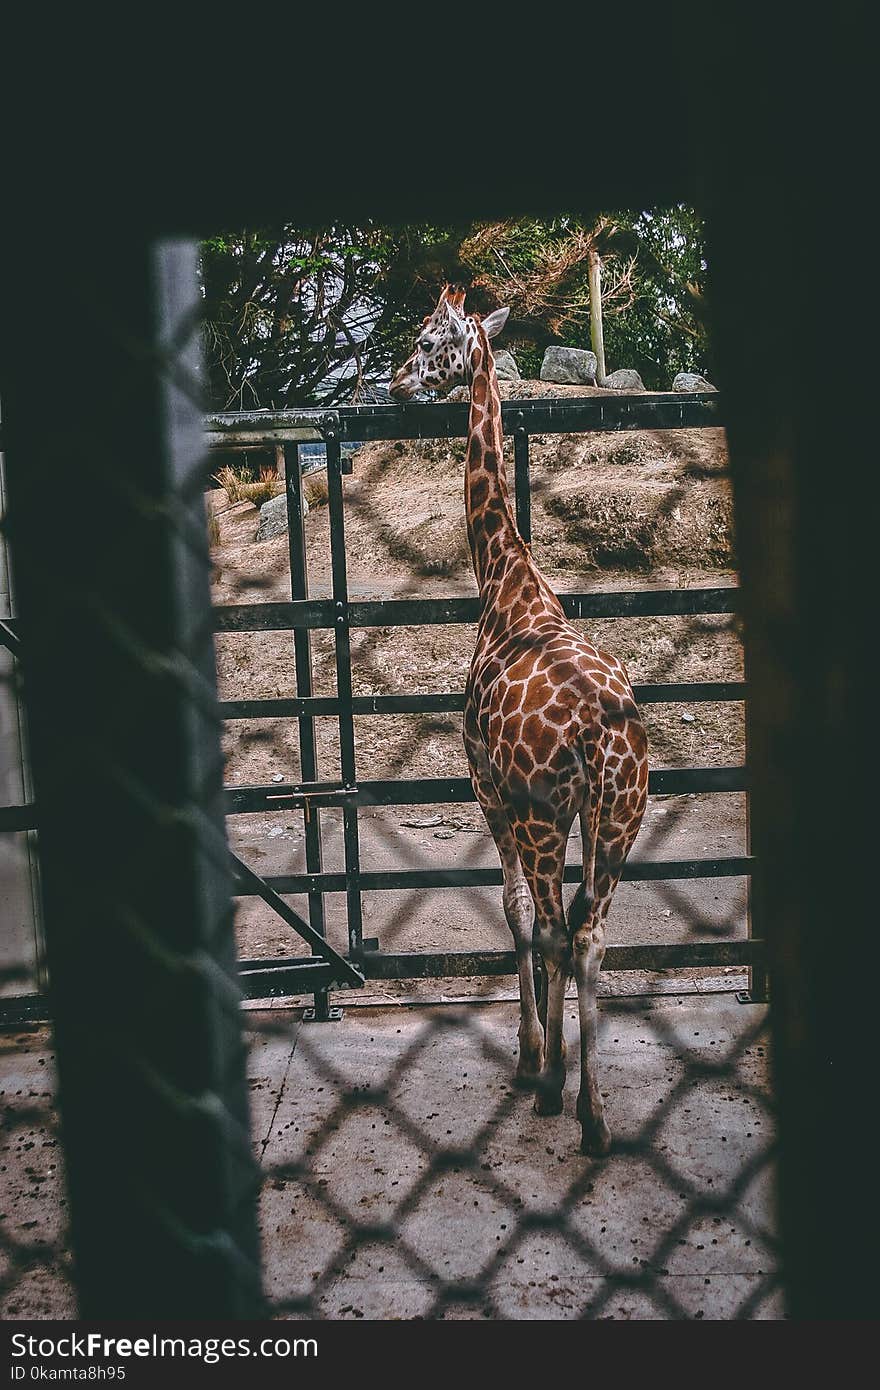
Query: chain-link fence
x=111 y=570
x=403 y=1171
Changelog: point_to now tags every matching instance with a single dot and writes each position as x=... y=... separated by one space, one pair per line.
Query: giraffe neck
x=492 y=532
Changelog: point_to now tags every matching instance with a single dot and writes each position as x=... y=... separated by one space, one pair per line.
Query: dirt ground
x=635 y=510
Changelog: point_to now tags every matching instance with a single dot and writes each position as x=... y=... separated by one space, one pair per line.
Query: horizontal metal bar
x=24 y=1008
x=677 y=781
x=651 y=603
x=323 y=613
x=414 y=965
x=693 y=692
x=603 y=412
x=690 y=692
x=18 y=818
x=286 y=797
x=636 y=871
x=254 y=438
x=276 y=979
x=317 y=705
x=274 y=617
x=252 y=427
x=272 y=979
x=429 y=791
x=427 y=965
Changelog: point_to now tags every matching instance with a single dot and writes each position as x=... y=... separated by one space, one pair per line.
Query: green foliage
x=295 y=315
x=528 y=359
x=664 y=331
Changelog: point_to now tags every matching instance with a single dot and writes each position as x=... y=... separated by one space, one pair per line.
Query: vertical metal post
x=302 y=649
x=344 y=692
x=113 y=587
x=522 y=482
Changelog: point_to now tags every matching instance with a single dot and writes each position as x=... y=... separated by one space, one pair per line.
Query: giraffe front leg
x=588 y=949
x=552 y=943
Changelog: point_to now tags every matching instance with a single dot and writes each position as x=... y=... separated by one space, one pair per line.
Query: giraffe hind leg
x=519 y=912
x=606 y=845
x=543 y=871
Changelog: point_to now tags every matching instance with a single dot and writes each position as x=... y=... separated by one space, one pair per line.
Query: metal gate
x=303 y=615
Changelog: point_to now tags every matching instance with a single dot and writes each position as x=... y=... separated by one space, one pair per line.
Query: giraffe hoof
x=548 y=1103
x=528 y=1071
x=595 y=1139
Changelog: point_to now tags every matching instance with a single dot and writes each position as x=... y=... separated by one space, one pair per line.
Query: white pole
x=595 y=273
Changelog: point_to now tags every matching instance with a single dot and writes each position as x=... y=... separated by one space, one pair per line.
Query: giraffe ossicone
x=551 y=732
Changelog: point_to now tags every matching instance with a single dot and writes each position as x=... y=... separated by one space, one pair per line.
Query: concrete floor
x=362 y=1216
x=676 y=1222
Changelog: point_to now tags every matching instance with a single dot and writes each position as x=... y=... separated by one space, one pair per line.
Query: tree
x=294 y=314
x=298 y=315
x=652 y=272
x=665 y=329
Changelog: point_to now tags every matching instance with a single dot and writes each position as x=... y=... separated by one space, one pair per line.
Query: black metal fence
x=303 y=615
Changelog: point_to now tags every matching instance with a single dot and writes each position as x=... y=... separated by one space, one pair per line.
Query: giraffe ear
x=494 y=322
x=456 y=324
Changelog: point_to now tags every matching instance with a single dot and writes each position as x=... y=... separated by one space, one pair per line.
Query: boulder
x=692 y=381
x=273 y=517
x=624 y=379
x=569 y=366
x=505 y=366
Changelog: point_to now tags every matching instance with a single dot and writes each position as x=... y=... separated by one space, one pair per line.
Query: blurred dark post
x=99 y=371
x=786 y=190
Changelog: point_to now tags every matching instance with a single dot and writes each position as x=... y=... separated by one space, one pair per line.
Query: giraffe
x=551 y=732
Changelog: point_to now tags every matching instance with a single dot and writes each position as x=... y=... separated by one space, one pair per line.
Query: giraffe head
x=441 y=357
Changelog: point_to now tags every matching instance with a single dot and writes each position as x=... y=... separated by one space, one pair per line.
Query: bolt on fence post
x=113 y=580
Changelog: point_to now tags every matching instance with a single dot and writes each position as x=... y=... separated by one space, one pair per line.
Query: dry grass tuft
x=240 y=487
x=315 y=490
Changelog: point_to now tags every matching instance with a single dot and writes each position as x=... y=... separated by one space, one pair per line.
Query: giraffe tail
x=581 y=906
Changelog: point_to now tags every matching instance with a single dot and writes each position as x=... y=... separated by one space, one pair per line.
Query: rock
x=624 y=379
x=692 y=381
x=273 y=517
x=505 y=366
x=569 y=366
x=444 y=834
